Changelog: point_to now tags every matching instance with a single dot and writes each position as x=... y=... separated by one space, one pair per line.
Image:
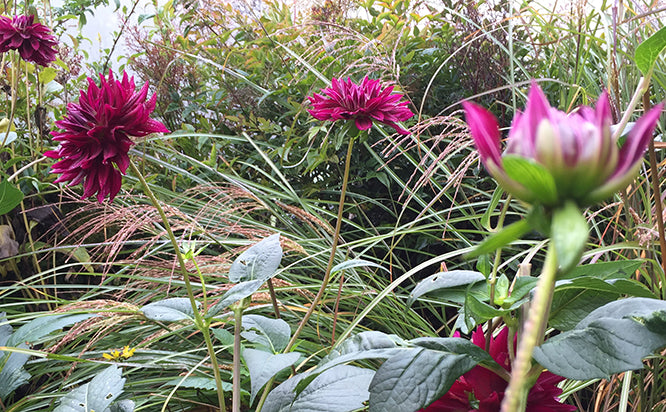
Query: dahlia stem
x=334 y=247
x=199 y=322
x=515 y=397
x=327 y=274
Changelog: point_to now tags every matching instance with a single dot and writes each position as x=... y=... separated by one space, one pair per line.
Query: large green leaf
x=96 y=395
x=260 y=261
x=342 y=388
x=12 y=373
x=612 y=339
x=413 y=379
x=264 y=365
x=648 y=51
x=169 y=310
x=588 y=287
x=233 y=295
x=443 y=282
x=272 y=333
x=10 y=197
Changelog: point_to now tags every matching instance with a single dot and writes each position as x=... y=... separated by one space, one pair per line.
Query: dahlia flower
x=364 y=103
x=483 y=390
x=97 y=133
x=34 y=41
x=573 y=157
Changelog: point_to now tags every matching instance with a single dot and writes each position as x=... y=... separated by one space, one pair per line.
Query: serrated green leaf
x=611 y=339
x=97 y=395
x=259 y=262
x=442 y=281
x=323 y=394
x=413 y=379
x=648 y=51
x=569 y=233
x=169 y=310
x=263 y=366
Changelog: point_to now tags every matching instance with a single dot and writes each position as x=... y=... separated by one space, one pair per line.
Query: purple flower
x=573 y=156
x=482 y=390
x=97 y=134
x=364 y=103
x=34 y=41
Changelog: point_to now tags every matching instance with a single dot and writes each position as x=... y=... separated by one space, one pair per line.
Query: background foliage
x=246 y=160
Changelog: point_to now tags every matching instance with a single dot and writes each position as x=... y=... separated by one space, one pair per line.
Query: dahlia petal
x=363 y=102
x=485 y=132
x=96 y=134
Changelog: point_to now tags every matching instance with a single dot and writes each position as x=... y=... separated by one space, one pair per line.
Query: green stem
x=331 y=259
x=238 y=322
x=327 y=274
x=198 y=320
x=515 y=397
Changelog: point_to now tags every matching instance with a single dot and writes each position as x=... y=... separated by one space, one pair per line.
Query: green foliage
x=617 y=329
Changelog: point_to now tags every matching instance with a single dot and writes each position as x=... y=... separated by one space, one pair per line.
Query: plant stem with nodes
x=199 y=322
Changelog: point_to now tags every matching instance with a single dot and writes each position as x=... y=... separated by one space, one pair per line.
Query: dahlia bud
x=552 y=156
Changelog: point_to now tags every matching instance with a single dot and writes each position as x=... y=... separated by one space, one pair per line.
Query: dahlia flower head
x=97 y=134
x=34 y=41
x=364 y=103
x=482 y=390
x=574 y=156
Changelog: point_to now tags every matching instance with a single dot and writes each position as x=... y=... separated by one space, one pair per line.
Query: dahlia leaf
x=10 y=197
x=264 y=365
x=340 y=389
x=442 y=282
x=273 y=333
x=413 y=379
x=97 y=395
x=260 y=261
x=233 y=295
x=169 y=310
x=649 y=50
x=611 y=339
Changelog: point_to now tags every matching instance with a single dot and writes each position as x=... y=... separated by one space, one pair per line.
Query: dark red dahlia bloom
x=34 y=41
x=482 y=390
x=365 y=103
x=97 y=134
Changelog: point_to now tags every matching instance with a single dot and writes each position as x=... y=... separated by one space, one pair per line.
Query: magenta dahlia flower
x=34 y=41
x=364 y=103
x=97 y=133
x=482 y=390
x=574 y=156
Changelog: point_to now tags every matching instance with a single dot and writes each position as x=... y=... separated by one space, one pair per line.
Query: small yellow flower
x=127 y=352
x=116 y=355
